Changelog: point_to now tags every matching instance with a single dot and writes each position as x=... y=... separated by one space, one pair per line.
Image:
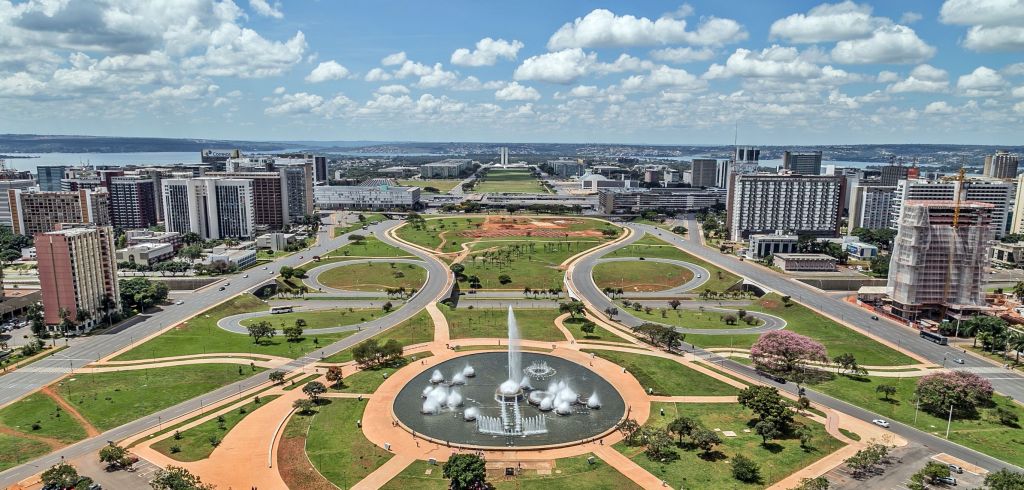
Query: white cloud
x=828 y=22
x=20 y=84
x=243 y=53
x=1018 y=108
x=661 y=77
x=1018 y=92
x=1014 y=70
x=515 y=91
x=603 y=28
x=772 y=62
x=982 y=82
x=997 y=38
x=327 y=70
x=923 y=78
x=487 y=52
x=888 y=44
x=377 y=75
x=623 y=63
x=392 y=89
x=436 y=76
x=262 y=7
x=472 y=83
x=910 y=17
x=429 y=104
x=682 y=55
x=394 y=59
x=996 y=25
x=558 y=67
x=886 y=76
x=940 y=107
x=303 y=103
x=585 y=91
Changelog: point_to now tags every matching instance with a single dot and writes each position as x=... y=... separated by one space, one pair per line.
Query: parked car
x=958 y=360
x=956 y=469
x=880 y=423
x=948 y=480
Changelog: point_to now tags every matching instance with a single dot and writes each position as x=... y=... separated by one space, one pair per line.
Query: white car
x=245 y=276
x=179 y=302
x=880 y=423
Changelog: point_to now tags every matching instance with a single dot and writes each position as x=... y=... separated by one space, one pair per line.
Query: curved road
x=88 y=349
x=700 y=276
x=313 y=276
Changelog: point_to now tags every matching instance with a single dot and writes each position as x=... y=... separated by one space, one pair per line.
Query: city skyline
x=657 y=73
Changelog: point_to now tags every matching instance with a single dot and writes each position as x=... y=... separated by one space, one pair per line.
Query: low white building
x=763 y=245
x=805 y=262
x=238 y=258
x=145 y=253
x=862 y=250
x=28 y=253
x=381 y=197
x=275 y=241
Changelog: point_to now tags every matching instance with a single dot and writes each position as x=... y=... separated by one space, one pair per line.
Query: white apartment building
x=871 y=206
x=368 y=197
x=796 y=204
x=211 y=207
x=445 y=169
x=998 y=193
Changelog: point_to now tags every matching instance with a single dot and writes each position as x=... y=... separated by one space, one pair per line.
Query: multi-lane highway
x=582 y=285
x=28 y=379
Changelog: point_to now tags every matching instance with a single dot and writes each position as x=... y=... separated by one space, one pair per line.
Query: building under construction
x=939 y=257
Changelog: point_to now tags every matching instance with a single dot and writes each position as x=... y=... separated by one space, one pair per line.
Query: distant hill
x=33 y=143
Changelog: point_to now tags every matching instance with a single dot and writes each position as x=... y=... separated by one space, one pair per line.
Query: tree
x=1006 y=417
x=657 y=444
x=313 y=390
x=674 y=304
x=785 y=353
x=767 y=404
x=588 y=327
x=176 y=478
x=504 y=278
x=335 y=376
x=962 y=390
x=277 y=377
x=745 y=470
x=768 y=429
x=115 y=456
x=303 y=405
x=886 y=390
x=819 y=483
x=845 y=362
x=35 y=316
x=62 y=476
x=682 y=427
x=466 y=471
x=457 y=269
x=293 y=333
x=1004 y=480
x=260 y=330
x=357 y=239
x=705 y=439
x=573 y=308
x=934 y=470
x=191 y=252
x=387 y=306
x=880 y=265
x=286 y=272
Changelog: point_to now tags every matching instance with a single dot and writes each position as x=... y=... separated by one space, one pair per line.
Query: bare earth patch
x=295 y=468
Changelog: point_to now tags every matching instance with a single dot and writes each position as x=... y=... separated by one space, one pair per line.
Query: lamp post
x=950 y=421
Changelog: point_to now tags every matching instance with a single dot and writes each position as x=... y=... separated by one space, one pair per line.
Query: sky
x=794 y=72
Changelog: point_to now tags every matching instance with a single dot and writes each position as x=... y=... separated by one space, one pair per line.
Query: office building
x=704 y=173
x=615 y=200
x=1002 y=165
x=217 y=159
x=893 y=174
x=802 y=162
x=5 y=202
x=49 y=177
x=275 y=241
x=145 y=253
x=401 y=172
x=745 y=160
x=763 y=245
x=804 y=262
x=999 y=193
x=366 y=197
x=451 y=168
x=937 y=267
x=40 y=212
x=253 y=163
x=132 y=202
x=77 y=273
x=212 y=207
x=320 y=168
x=795 y=204
x=297 y=185
x=136 y=237
x=567 y=168
x=503 y=155
x=862 y=251
x=1007 y=254
x=871 y=206
x=270 y=209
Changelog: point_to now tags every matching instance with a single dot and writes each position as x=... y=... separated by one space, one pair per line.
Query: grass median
x=534 y=324
x=199 y=442
x=665 y=376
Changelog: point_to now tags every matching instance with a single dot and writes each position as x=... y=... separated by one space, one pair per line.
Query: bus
x=281 y=309
x=934 y=337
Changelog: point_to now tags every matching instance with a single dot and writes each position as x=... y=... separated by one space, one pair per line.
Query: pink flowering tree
x=962 y=390
x=784 y=353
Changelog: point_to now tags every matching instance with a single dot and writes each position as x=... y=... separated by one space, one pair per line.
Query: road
x=26 y=380
x=583 y=285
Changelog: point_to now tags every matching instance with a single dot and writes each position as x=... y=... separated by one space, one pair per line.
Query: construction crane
x=952 y=244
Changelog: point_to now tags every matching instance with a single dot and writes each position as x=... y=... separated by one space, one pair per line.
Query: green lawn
x=687 y=318
x=368 y=380
x=370 y=247
x=667 y=377
x=442 y=185
x=336 y=317
x=201 y=335
x=530 y=262
x=640 y=276
x=429 y=234
x=17 y=450
x=986 y=434
x=777 y=461
x=534 y=324
x=337 y=448
x=195 y=443
x=108 y=400
x=509 y=181
x=573 y=472
x=38 y=408
x=600 y=333
x=370 y=219
x=415 y=330
x=374 y=277
x=650 y=246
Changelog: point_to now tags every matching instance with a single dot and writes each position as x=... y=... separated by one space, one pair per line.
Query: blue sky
x=551 y=71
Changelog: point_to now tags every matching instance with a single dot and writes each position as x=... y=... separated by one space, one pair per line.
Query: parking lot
x=904 y=462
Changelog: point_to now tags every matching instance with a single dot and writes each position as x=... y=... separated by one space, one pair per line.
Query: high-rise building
x=804 y=163
x=211 y=207
x=998 y=193
x=5 y=203
x=936 y=265
x=893 y=174
x=1002 y=165
x=218 y=158
x=799 y=204
x=871 y=206
x=704 y=172
x=320 y=168
x=77 y=274
x=722 y=172
x=503 y=154
x=41 y=212
x=270 y=205
x=446 y=169
x=50 y=177
x=132 y=202
x=297 y=184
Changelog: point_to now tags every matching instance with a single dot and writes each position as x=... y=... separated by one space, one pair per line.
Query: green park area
x=442 y=186
x=688 y=317
x=640 y=275
x=985 y=433
x=600 y=334
x=355 y=224
x=335 y=317
x=374 y=276
x=518 y=264
x=665 y=376
x=435 y=232
x=415 y=330
x=690 y=468
x=371 y=377
x=369 y=246
x=575 y=472
x=336 y=448
x=201 y=335
x=199 y=442
x=15 y=450
x=509 y=181
x=649 y=246
x=39 y=415
x=470 y=323
x=111 y=399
